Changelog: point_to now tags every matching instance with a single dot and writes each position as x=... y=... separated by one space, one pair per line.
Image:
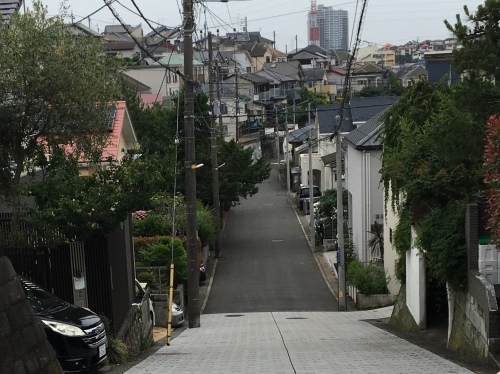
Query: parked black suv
x=76 y=334
x=303 y=195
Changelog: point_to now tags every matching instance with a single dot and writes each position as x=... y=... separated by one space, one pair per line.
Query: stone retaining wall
x=23 y=343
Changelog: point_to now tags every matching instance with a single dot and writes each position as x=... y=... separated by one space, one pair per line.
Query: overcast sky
x=285 y=21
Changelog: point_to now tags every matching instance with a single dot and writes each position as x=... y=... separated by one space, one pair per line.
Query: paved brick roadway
x=293 y=342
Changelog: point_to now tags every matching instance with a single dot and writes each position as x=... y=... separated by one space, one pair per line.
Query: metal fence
x=157 y=278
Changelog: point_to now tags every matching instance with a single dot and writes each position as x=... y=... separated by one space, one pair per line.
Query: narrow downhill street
x=266 y=263
x=270 y=310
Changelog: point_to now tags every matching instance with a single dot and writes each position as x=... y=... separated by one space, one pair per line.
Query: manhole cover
x=234 y=315
x=296 y=318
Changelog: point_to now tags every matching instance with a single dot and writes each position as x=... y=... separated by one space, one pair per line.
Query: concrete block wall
x=469 y=334
x=23 y=344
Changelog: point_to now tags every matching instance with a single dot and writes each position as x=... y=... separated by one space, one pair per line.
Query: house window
x=390 y=235
x=268 y=59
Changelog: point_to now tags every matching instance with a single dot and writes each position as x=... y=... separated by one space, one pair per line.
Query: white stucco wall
x=328 y=181
x=390 y=255
x=317 y=164
x=415 y=283
x=155 y=78
x=367 y=198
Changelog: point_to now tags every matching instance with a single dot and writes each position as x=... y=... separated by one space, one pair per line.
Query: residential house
x=311 y=57
x=80 y=29
x=439 y=67
x=366 y=193
x=260 y=52
x=339 y=58
x=316 y=80
x=119 y=40
x=366 y=75
x=337 y=76
x=410 y=74
x=354 y=113
x=291 y=73
x=97 y=273
x=162 y=81
x=161 y=35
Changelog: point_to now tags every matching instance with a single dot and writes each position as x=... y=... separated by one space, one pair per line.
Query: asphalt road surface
x=266 y=263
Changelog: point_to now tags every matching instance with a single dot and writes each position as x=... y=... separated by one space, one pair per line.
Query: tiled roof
x=357 y=111
x=256 y=78
x=366 y=135
x=340 y=55
x=176 y=59
x=122 y=129
x=119 y=46
x=255 y=49
x=300 y=135
x=290 y=68
x=314 y=74
x=7 y=7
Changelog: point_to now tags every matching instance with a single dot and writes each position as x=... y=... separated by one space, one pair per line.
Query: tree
x=240 y=175
x=308 y=97
x=55 y=88
x=479 y=55
x=158 y=129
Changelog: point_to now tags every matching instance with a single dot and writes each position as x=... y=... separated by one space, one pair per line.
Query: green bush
x=368 y=279
x=206 y=225
x=116 y=350
x=160 y=254
x=153 y=224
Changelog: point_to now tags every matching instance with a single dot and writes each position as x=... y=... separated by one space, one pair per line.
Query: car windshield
x=41 y=301
x=305 y=192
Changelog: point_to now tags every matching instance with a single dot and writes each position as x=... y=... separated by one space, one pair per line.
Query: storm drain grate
x=234 y=315
x=296 y=318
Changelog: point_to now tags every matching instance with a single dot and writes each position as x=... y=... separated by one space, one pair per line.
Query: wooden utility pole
x=213 y=149
x=193 y=267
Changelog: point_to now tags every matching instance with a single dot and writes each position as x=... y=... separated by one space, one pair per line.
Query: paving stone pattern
x=293 y=342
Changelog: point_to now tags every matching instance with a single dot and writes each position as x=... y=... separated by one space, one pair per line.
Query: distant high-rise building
x=327 y=27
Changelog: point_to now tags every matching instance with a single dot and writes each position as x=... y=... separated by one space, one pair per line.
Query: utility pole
x=213 y=149
x=277 y=140
x=340 y=220
x=311 y=184
x=237 y=100
x=193 y=268
x=287 y=160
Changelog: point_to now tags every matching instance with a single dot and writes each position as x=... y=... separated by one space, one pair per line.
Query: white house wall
x=415 y=283
x=390 y=255
x=328 y=180
x=354 y=184
x=367 y=202
x=155 y=78
x=317 y=164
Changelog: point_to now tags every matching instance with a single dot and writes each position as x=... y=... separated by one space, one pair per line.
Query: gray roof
x=7 y=7
x=111 y=29
x=314 y=74
x=416 y=70
x=254 y=49
x=300 y=135
x=358 y=110
x=340 y=55
x=290 y=68
x=366 y=136
x=256 y=78
x=80 y=27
